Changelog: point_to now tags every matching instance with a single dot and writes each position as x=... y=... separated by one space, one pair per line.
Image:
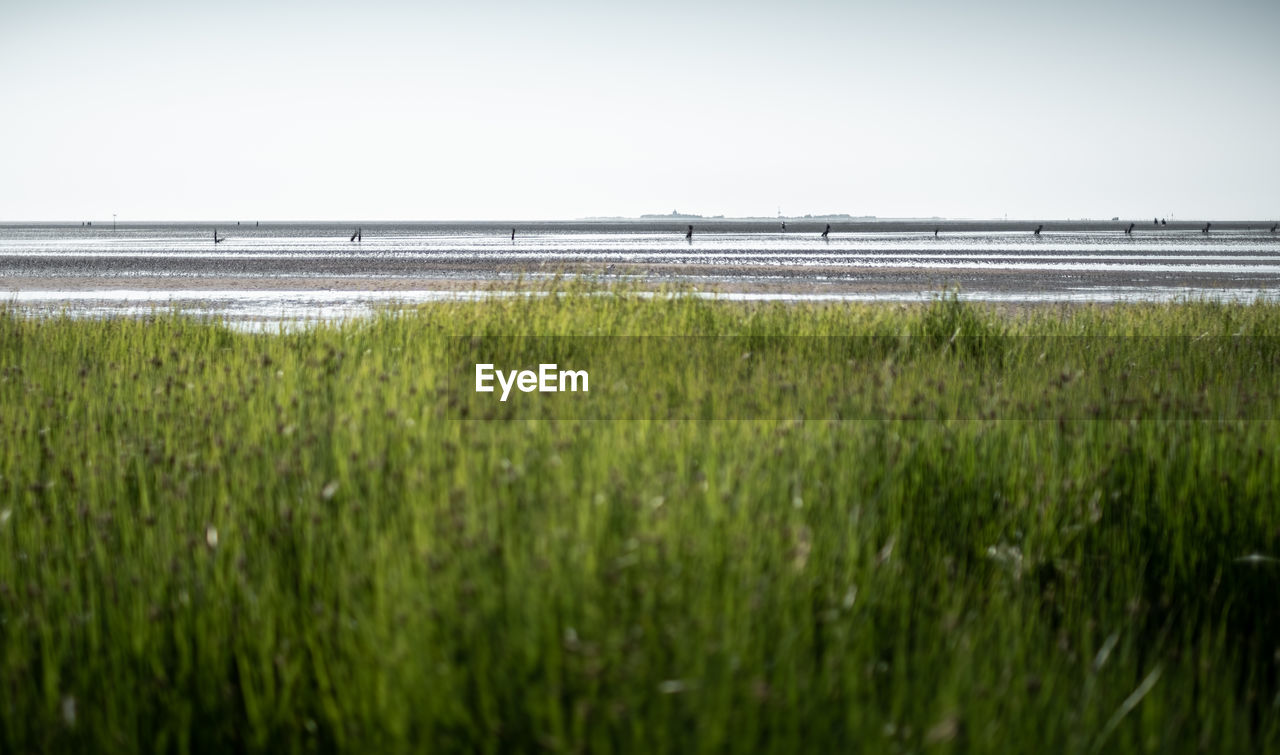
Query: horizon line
x=839 y=217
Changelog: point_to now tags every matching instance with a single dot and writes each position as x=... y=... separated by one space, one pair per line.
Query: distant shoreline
x=705 y=225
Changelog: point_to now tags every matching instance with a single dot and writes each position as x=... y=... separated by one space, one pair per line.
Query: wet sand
x=991 y=260
x=814 y=279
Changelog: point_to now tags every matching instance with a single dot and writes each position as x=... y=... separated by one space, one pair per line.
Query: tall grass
x=213 y=540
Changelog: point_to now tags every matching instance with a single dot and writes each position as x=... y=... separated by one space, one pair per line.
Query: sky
x=485 y=109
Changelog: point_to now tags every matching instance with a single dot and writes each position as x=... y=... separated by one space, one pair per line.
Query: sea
x=295 y=272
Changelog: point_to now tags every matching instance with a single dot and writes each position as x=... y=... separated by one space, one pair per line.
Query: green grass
x=218 y=541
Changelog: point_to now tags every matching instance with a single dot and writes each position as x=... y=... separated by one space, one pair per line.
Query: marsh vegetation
x=218 y=541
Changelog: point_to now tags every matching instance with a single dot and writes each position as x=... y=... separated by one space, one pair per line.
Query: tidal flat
x=972 y=529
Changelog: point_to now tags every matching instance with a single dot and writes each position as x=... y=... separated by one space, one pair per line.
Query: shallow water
x=83 y=270
x=162 y=249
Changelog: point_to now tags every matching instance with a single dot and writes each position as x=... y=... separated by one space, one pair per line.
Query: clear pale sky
x=525 y=110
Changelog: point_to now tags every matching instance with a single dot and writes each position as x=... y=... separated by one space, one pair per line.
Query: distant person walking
x=1129 y=231
x=827 y=232
x=217 y=240
x=1039 y=228
x=688 y=235
x=513 y=234
x=1206 y=228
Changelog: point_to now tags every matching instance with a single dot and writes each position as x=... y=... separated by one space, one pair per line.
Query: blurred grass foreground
x=808 y=528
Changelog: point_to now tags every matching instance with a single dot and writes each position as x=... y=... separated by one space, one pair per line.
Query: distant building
x=674 y=214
